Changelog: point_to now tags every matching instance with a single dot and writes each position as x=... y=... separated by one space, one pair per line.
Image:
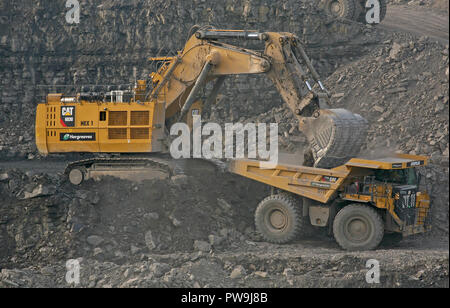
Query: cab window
x=402 y=177
x=411 y=177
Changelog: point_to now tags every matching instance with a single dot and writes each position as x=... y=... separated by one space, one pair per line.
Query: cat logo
x=68 y=116
x=67 y=111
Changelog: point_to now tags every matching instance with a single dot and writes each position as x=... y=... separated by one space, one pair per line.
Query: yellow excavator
x=135 y=121
x=357 y=199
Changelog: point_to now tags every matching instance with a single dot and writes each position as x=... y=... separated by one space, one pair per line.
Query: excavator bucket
x=335 y=136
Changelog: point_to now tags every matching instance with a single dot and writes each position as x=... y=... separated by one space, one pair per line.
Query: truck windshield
x=403 y=176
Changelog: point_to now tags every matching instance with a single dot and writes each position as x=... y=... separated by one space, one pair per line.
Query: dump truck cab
x=391 y=184
x=361 y=202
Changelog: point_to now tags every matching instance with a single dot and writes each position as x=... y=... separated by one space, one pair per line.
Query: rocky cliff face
x=114 y=39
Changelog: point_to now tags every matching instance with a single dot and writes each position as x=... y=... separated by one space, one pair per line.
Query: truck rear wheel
x=340 y=8
x=358 y=227
x=278 y=219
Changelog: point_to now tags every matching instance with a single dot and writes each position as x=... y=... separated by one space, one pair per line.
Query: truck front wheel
x=278 y=218
x=358 y=227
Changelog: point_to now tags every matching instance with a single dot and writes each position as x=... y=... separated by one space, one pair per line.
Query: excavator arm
x=201 y=61
x=334 y=135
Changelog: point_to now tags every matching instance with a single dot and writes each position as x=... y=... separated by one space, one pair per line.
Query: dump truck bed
x=316 y=183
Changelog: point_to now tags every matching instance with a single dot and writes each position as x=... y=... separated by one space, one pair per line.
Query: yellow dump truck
x=360 y=202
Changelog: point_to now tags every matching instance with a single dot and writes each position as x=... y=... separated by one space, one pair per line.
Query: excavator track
x=161 y=166
x=78 y=171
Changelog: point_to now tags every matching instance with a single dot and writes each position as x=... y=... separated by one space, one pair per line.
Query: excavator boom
x=334 y=135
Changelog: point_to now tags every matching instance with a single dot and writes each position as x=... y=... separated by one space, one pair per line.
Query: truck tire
x=340 y=8
x=358 y=227
x=278 y=219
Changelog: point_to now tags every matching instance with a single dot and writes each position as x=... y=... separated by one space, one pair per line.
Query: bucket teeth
x=335 y=137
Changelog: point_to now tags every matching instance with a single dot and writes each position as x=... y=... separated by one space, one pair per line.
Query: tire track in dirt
x=417 y=21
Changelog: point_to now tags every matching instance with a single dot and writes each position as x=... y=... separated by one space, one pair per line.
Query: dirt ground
x=418 y=21
x=196 y=228
x=165 y=233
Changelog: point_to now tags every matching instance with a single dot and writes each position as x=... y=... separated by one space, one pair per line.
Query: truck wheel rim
x=335 y=8
x=277 y=219
x=357 y=229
